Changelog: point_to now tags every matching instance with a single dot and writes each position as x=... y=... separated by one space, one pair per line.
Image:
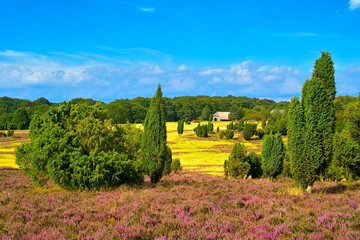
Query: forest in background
x=17 y=113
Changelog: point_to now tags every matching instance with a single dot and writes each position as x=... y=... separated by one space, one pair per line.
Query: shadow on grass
x=338 y=189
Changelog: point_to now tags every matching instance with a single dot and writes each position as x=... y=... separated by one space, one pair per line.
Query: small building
x=221 y=116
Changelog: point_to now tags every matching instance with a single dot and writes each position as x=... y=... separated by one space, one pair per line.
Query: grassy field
x=204 y=155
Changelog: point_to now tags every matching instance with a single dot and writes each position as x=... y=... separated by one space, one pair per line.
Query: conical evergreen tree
x=311 y=125
x=324 y=74
x=273 y=154
x=155 y=154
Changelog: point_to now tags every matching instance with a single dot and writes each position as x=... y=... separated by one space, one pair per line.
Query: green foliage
x=222 y=135
x=260 y=133
x=273 y=153
x=276 y=123
x=168 y=160
x=239 y=126
x=229 y=134
x=249 y=131
x=155 y=154
x=202 y=130
x=10 y=133
x=255 y=170
x=311 y=125
x=230 y=126
x=176 y=165
x=218 y=129
x=236 y=113
x=205 y=113
x=226 y=168
x=346 y=159
x=77 y=148
x=237 y=164
x=210 y=127
x=180 y=127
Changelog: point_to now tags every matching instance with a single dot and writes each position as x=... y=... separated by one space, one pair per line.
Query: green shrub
x=260 y=133
x=237 y=164
x=75 y=147
x=249 y=131
x=10 y=133
x=229 y=134
x=255 y=170
x=273 y=153
x=176 y=165
x=222 y=135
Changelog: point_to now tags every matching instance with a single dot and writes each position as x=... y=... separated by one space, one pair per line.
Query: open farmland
x=7 y=148
x=204 y=155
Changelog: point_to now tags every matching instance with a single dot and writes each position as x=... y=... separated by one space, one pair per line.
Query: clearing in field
x=204 y=155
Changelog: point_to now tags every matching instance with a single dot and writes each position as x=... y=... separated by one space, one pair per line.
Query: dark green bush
x=229 y=134
x=75 y=147
x=249 y=131
x=255 y=165
x=237 y=165
x=222 y=135
x=176 y=165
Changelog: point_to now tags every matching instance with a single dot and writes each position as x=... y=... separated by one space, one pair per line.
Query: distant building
x=221 y=116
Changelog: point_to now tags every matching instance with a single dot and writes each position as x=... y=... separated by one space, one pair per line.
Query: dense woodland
x=17 y=113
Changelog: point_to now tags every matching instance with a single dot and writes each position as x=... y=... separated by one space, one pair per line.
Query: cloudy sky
x=113 y=49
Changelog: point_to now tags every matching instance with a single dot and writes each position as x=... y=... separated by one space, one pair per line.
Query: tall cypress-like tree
x=180 y=127
x=295 y=126
x=324 y=74
x=273 y=154
x=155 y=154
x=311 y=124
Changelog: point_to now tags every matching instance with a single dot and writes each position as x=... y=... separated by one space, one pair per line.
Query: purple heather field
x=187 y=205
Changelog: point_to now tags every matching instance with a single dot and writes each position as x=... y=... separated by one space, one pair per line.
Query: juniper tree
x=180 y=127
x=155 y=154
x=273 y=153
x=237 y=165
x=311 y=124
x=295 y=126
x=324 y=75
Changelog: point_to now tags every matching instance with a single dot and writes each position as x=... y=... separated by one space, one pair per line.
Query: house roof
x=222 y=115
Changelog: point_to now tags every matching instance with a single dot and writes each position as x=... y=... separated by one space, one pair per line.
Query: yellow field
x=204 y=155
x=7 y=148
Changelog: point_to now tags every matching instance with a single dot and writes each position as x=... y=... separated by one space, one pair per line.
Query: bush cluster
x=77 y=148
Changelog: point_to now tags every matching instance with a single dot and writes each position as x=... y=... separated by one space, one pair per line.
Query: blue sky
x=113 y=49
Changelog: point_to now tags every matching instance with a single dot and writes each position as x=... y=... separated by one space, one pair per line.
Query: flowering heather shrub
x=187 y=205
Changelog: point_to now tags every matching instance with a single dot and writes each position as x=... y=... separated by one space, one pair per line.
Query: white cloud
x=211 y=71
x=147 y=81
x=100 y=76
x=354 y=4
x=153 y=70
x=182 y=68
x=150 y=9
